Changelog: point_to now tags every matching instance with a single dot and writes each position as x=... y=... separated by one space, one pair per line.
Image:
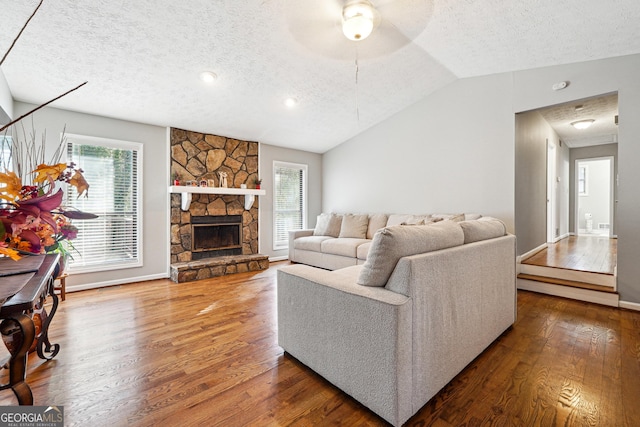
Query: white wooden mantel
x=187 y=191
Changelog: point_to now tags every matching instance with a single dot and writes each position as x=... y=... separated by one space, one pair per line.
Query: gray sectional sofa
x=394 y=330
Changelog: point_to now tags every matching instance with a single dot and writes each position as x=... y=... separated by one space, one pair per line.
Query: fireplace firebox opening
x=213 y=236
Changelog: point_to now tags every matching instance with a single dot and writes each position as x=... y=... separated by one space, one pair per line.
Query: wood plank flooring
x=582 y=253
x=205 y=354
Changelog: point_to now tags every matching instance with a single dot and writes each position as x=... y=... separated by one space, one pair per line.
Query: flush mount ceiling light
x=208 y=76
x=290 y=102
x=582 y=124
x=357 y=20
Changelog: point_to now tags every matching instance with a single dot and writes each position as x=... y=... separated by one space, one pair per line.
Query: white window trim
x=305 y=169
x=117 y=144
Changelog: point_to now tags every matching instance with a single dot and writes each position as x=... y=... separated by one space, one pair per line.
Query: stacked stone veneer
x=198 y=156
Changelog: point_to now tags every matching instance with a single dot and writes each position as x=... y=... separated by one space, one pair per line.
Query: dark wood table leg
x=23 y=332
x=43 y=338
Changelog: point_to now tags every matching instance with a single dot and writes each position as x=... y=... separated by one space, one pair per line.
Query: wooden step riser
x=572 y=275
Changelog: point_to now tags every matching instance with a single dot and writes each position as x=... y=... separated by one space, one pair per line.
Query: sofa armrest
x=357 y=337
x=293 y=235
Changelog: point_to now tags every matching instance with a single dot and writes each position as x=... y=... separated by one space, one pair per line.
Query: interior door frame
x=551 y=191
x=611 y=191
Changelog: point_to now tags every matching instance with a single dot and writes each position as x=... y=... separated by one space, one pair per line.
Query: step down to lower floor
x=564 y=282
x=607 y=297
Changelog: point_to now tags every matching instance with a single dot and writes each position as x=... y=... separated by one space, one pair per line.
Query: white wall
x=155 y=181
x=454 y=151
x=269 y=154
x=6 y=101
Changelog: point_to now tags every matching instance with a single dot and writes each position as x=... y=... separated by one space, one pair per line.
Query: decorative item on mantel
x=258 y=182
x=223 y=179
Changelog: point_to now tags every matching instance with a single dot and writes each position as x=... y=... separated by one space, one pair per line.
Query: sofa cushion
x=376 y=222
x=354 y=226
x=363 y=250
x=392 y=243
x=482 y=229
x=310 y=243
x=328 y=225
x=344 y=246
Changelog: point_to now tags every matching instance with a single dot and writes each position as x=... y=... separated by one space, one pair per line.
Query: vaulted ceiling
x=143 y=58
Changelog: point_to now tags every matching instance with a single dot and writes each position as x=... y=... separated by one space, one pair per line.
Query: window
x=289 y=201
x=113 y=170
x=583 y=184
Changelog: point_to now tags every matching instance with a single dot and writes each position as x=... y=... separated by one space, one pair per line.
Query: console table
x=24 y=286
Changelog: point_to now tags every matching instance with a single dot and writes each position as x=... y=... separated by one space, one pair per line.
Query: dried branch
x=43 y=105
x=20 y=33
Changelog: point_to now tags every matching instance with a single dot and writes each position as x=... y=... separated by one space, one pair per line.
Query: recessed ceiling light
x=582 y=124
x=290 y=102
x=208 y=76
x=579 y=107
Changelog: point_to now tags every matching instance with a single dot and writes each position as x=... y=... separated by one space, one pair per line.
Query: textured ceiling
x=142 y=58
x=603 y=110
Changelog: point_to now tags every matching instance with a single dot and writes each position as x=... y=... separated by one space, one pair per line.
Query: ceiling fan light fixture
x=357 y=20
x=208 y=76
x=582 y=124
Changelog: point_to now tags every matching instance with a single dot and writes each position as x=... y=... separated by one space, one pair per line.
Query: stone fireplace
x=216 y=235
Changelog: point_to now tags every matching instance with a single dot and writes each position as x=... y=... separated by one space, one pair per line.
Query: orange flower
x=81 y=184
x=4 y=250
x=25 y=246
x=12 y=186
x=45 y=172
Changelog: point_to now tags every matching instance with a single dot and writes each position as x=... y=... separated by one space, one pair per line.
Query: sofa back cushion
x=482 y=229
x=392 y=243
x=328 y=225
x=376 y=222
x=354 y=226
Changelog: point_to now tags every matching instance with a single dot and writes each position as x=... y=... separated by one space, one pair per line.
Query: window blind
x=289 y=201
x=112 y=240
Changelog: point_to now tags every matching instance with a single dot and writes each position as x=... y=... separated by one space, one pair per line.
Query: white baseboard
x=129 y=280
x=629 y=305
x=278 y=258
x=587 y=295
x=531 y=253
x=564 y=236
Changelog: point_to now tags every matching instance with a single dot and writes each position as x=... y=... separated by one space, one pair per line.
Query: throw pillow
x=376 y=222
x=322 y=225
x=354 y=226
x=392 y=243
x=482 y=229
x=328 y=225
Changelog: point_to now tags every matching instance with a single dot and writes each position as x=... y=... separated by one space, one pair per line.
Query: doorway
x=594 y=197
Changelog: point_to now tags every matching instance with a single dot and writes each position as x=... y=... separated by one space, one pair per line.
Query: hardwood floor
x=582 y=253
x=205 y=354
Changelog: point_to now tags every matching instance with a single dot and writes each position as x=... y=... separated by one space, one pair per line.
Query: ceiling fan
x=369 y=28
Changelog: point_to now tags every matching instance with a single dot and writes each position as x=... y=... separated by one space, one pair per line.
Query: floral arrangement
x=32 y=217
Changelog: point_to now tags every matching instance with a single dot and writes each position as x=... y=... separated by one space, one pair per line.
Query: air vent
x=603 y=226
